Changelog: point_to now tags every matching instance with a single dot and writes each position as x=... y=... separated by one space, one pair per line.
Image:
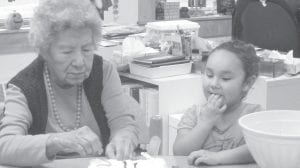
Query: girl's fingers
x=199 y=160
x=191 y=159
x=209 y=98
x=219 y=101
x=193 y=156
x=223 y=108
x=210 y=101
x=215 y=99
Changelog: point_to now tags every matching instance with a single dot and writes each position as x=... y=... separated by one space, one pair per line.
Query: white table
x=179 y=161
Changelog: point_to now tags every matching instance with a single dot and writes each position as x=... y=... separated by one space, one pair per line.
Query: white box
x=293 y=68
x=162 y=71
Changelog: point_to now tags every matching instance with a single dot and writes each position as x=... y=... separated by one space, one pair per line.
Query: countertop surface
x=171 y=161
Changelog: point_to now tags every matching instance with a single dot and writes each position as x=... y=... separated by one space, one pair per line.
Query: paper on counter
x=108 y=43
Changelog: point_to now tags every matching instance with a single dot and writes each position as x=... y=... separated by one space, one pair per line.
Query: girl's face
x=224 y=75
x=70 y=56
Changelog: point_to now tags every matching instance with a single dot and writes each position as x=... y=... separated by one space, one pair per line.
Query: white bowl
x=273 y=137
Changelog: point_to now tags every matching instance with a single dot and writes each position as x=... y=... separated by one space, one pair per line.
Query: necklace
x=54 y=107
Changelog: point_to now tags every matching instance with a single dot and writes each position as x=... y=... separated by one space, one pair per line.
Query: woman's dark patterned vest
x=31 y=81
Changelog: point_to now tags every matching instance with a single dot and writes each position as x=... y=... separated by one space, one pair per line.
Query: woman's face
x=225 y=76
x=70 y=56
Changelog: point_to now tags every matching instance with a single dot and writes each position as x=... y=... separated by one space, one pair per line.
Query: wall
x=214 y=26
x=14 y=41
x=128 y=12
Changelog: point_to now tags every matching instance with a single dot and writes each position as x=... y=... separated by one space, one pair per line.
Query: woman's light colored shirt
x=18 y=148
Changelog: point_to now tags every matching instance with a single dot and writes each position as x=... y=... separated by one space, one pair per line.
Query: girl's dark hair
x=245 y=52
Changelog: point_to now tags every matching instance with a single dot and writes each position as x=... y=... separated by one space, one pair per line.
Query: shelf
x=159 y=81
x=210 y=17
x=139 y=78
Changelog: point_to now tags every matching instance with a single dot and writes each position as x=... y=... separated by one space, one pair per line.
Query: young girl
x=210 y=133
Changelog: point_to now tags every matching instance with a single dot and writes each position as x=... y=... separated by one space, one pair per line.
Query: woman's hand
x=203 y=157
x=82 y=141
x=121 y=147
x=213 y=109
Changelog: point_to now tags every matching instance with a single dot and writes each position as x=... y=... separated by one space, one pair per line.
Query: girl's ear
x=249 y=83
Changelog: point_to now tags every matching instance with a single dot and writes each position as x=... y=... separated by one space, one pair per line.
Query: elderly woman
x=68 y=100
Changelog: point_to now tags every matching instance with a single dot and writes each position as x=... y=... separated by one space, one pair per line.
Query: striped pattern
x=2 y=99
x=2 y=92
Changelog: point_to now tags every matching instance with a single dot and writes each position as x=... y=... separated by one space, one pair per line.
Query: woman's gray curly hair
x=53 y=16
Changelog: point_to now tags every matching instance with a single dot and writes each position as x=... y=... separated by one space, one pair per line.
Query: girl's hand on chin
x=213 y=109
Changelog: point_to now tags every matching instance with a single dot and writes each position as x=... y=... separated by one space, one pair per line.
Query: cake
x=112 y=163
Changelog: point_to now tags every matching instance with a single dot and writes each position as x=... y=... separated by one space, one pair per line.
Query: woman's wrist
x=51 y=147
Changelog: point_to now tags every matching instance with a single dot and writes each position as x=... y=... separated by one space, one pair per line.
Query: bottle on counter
x=186 y=39
x=155 y=134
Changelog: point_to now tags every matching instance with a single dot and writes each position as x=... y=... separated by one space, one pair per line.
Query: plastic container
x=156 y=32
x=168 y=27
x=271 y=67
